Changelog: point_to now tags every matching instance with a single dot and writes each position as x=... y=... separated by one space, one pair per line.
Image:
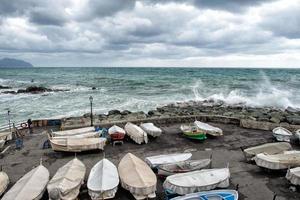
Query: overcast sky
x=195 y=33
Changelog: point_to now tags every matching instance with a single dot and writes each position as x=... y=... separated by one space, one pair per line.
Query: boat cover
x=82 y=135
x=116 y=129
x=278 y=161
x=151 y=129
x=73 y=131
x=5 y=136
x=297 y=134
x=268 y=148
x=293 y=175
x=67 y=181
x=103 y=180
x=208 y=129
x=154 y=161
x=31 y=186
x=136 y=133
x=281 y=134
x=213 y=195
x=137 y=177
x=4 y=181
x=196 y=181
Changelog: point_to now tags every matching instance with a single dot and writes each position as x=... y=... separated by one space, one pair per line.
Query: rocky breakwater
x=30 y=89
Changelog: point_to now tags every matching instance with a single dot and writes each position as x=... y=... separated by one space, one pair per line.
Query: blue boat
x=210 y=195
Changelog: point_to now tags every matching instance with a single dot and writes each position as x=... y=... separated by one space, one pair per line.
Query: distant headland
x=14 y=63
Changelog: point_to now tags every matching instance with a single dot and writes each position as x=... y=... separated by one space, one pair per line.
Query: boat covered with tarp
x=137 y=177
x=151 y=129
x=193 y=132
x=208 y=129
x=211 y=195
x=77 y=131
x=4 y=181
x=103 y=180
x=82 y=135
x=268 y=148
x=283 y=160
x=154 y=161
x=66 y=182
x=116 y=133
x=293 y=175
x=282 y=134
x=197 y=181
x=136 y=133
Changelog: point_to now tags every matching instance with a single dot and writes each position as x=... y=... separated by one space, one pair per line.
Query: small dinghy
x=208 y=129
x=77 y=144
x=192 y=132
x=67 y=181
x=196 y=181
x=211 y=195
x=182 y=167
x=282 y=135
x=284 y=160
x=77 y=131
x=154 y=161
x=137 y=177
x=150 y=129
x=31 y=186
x=136 y=133
x=268 y=148
x=103 y=180
x=116 y=133
x=293 y=175
x=4 y=181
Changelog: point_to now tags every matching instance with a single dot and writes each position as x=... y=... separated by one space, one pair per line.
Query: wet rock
x=292 y=110
x=38 y=90
x=5 y=87
x=125 y=112
x=93 y=88
x=114 y=112
x=9 y=92
x=295 y=120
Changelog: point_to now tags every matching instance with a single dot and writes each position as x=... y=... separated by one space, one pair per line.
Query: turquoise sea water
x=142 y=89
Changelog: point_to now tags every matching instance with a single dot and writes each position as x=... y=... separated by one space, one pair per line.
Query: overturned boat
x=82 y=135
x=268 y=148
x=196 y=181
x=136 y=133
x=282 y=135
x=103 y=180
x=293 y=175
x=116 y=132
x=151 y=129
x=193 y=132
x=67 y=181
x=213 y=195
x=31 y=186
x=4 y=181
x=77 y=131
x=137 y=177
x=77 y=144
x=284 y=160
x=154 y=161
x=208 y=129
x=182 y=167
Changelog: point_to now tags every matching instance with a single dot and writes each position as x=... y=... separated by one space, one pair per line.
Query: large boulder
x=293 y=120
x=114 y=112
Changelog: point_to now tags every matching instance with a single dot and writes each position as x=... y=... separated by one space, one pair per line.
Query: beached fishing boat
x=116 y=133
x=293 y=175
x=268 y=148
x=182 y=167
x=77 y=144
x=151 y=129
x=67 y=181
x=4 y=181
x=154 y=161
x=103 y=180
x=77 y=131
x=282 y=135
x=82 y=135
x=196 y=181
x=208 y=129
x=137 y=177
x=211 y=195
x=136 y=133
x=284 y=160
x=192 y=132
x=31 y=186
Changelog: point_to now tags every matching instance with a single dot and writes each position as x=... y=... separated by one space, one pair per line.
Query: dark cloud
x=45 y=17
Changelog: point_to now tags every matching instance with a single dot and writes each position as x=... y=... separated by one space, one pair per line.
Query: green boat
x=192 y=132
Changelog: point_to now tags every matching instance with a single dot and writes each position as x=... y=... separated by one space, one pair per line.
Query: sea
x=141 y=89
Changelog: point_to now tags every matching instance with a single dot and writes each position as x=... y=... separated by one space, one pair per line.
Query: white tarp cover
x=211 y=195
x=297 y=134
x=77 y=144
x=4 y=181
x=82 y=135
x=5 y=136
x=208 y=129
x=31 y=186
x=73 y=131
x=196 y=181
x=268 y=148
x=137 y=177
x=136 y=133
x=154 y=161
x=103 y=180
x=281 y=134
x=278 y=161
x=151 y=129
x=66 y=182
x=293 y=175
x=116 y=129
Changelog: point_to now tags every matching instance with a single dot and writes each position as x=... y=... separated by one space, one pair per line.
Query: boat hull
x=213 y=194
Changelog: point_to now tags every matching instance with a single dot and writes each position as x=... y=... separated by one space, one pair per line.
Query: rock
x=4 y=87
x=21 y=91
x=125 y=112
x=9 y=92
x=275 y=120
x=93 y=88
x=293 y=120
x=292 y=110
x=114 y=112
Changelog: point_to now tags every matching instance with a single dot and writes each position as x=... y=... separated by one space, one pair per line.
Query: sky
x=151 y=33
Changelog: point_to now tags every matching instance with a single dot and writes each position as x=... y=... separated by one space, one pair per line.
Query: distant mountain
x=13 y=63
